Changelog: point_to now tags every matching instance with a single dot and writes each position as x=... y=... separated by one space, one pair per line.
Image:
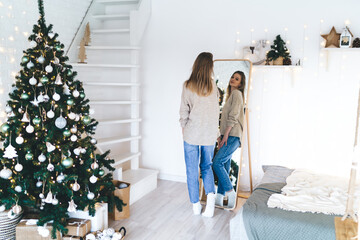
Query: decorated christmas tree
x=48 y=160
x=278 y=49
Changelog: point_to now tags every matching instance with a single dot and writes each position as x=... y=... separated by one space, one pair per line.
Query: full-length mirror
x=233 y=80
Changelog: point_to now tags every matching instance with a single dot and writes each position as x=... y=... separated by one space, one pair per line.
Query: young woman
x=199 y=114
x=231 y=128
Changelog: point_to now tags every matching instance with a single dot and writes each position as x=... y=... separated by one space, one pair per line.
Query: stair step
x=115 y=30
x=118 y=1
x=111 y=16
x=120 y=159
x=106 y=141
x=104 y=65
x=111 y=84
x=113 y=102
x=142 y=181
x=111 y=48
x=117 y=121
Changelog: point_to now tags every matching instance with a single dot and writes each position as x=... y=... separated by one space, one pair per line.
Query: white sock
x=219 y=201
x=210 y=205
x=231 y=198
x=197 y=208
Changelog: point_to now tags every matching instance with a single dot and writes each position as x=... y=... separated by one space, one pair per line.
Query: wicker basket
x=278 y=61
x=8 y=225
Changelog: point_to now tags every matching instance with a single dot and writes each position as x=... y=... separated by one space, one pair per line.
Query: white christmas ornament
x=90 y=196
x=18 y=167
x=73 y=138
x=40 y=98
x=18 y=188
x=73 y=130
x=50 y=114
x=25 y=117
x=32 y=81
x=41 y=195
x=41 y=157
x=55 y=201
x=93 y=179
x=46 y=98
x=94 y=165
x=2 y=208
x=83 y=150
x=60 y=122
x=60 y=178
x=56 y=60
x=16 y=209
x=90 y=236
x=33 y=44
x=56 y=97
x=5 y=173
x=58 y=80
x=76 y=93
x=72 y=206
x=66 y=89
x=50 y=167
x=77 y=151
x=29 y=129
x=35 y=102
x=50 y=147
x=117 y=236
x=30 y=65
x=49 y=68
x=77 y=118
x=72 y=115
x=8 y=109
x=19 y=140
x=41 y=59
x=49 y=197
x=39 y=184
x=10 y=152
x=76 y=187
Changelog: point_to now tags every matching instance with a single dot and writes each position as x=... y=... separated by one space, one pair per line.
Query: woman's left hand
x=223 y=141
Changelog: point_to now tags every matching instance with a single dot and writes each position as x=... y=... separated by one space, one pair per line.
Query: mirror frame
x=246 y=126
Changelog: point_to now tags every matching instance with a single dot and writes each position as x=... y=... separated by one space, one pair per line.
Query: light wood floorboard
x=166 y=214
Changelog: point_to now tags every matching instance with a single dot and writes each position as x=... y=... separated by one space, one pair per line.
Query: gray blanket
x=265 y=223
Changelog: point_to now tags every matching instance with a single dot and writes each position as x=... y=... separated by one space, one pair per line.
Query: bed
x=255 y=220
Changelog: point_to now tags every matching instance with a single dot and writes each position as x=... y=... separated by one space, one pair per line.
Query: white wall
x=16 y=23
x=300 y=119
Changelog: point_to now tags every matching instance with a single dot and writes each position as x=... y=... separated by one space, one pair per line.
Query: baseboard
x=171 y=177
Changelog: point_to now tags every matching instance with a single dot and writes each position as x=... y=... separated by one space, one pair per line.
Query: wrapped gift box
x=27 y=229
x=78 y=227
x=99 y=221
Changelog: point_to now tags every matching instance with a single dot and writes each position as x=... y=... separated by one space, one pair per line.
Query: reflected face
x=235 y=80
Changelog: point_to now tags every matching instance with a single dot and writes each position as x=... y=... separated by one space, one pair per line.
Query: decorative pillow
x=275 y=174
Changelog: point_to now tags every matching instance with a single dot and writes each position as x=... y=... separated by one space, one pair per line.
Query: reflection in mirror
x=232 y=78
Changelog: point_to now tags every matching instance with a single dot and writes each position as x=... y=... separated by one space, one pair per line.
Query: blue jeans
x=192 y=156
x=222 y=163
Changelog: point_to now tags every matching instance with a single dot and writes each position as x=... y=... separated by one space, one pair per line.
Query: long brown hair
x=200 y=80
x=241 y=87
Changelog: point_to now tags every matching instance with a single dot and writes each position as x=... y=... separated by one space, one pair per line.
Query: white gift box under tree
x=99 y=221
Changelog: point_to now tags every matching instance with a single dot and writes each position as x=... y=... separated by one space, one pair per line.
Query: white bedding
x=309 y=192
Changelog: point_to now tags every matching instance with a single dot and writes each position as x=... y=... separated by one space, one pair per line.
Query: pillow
x=275 y=174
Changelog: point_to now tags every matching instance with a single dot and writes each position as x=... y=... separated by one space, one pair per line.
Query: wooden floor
x=166 y=214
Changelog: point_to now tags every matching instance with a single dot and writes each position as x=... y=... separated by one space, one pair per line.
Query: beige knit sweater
x=199 y=116
x=233 y=115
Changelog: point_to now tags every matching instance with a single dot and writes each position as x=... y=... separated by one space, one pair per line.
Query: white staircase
x=112 y=84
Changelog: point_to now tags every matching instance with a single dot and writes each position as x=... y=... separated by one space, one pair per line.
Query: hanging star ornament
x=35 y=102
x=332 y=39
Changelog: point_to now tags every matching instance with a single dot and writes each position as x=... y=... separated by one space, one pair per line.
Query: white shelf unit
x=112 y=85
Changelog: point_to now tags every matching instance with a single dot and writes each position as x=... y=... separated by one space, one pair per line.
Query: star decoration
x=35 y=102
x=332 y=39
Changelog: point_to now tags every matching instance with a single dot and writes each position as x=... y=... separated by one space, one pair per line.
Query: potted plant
x=279 y=52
